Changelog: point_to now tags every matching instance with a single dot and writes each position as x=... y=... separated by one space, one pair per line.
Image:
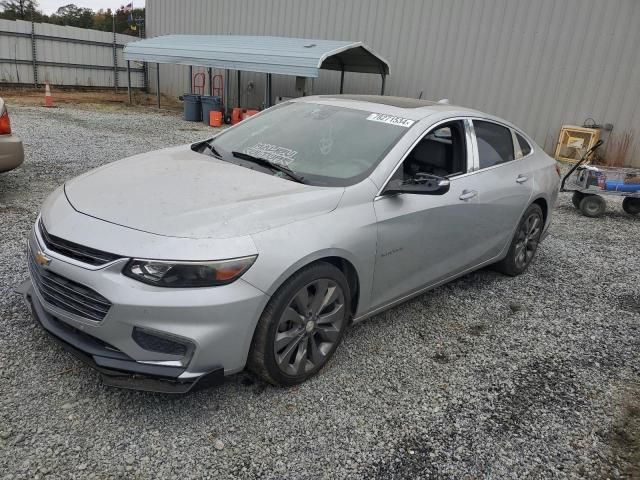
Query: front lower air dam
x=116 y=368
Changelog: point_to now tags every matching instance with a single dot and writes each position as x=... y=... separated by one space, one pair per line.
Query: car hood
x=181 y=193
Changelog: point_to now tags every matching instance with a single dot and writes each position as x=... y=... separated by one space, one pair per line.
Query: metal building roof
x=280 y=55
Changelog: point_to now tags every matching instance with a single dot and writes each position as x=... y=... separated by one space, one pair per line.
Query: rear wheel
x=301 y=326
x=577 y=198
x=524 y=244
x=631 y=205
x=593 y=206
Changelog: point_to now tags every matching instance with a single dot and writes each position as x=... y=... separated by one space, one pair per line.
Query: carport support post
x=158 y=83
x=210 y=75
x=266 y=90
x=115 y=55
x=342 y=80
x=227 y=90
x=190 y=78
x=239 y=87
x=384 y=81
x=129 y=80
x=269 y=92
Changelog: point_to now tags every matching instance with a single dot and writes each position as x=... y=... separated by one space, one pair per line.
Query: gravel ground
x=490 y=376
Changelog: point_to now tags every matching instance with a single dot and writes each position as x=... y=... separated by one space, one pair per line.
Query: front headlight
x=163 y=273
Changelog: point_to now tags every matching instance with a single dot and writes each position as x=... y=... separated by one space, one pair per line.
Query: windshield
x=324 y=144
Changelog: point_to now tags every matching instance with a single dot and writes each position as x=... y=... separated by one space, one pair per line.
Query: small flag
x=128 y=7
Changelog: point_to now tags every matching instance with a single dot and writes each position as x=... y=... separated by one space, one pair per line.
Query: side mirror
x=420 y=184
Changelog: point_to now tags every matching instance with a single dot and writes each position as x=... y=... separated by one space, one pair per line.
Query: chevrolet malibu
x=258 y=247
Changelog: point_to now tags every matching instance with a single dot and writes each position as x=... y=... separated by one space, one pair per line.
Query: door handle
x=468 y=194
x=522 y=178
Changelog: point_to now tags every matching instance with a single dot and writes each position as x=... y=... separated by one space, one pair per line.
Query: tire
x=524 y=243
x=289 y=347
x=577 y=198
x=593 y=206
x=631 y=205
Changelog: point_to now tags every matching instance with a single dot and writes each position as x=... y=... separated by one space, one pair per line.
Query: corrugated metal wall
x=537 y=63
x=16 y=55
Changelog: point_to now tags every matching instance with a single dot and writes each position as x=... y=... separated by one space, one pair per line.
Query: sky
x=50 y=6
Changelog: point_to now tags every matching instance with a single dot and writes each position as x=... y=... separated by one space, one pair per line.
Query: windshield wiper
x=212 y=148
x=273 y=166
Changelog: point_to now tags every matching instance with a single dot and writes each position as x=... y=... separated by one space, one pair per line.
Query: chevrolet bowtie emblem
x=42 y=259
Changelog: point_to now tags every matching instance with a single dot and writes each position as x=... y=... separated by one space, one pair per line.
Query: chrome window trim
x=468 y=140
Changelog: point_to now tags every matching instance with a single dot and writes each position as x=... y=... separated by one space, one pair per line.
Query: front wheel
x=631 y=205
x=301 y=325
x=524 y=244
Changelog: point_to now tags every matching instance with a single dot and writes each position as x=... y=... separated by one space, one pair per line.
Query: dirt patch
x=624 y=438
x=441 y=357
x=477 y=329
x=103 y=100
x=630 y=302
x=542 y=385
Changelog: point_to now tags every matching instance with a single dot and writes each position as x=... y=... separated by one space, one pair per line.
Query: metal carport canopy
x=280 y=55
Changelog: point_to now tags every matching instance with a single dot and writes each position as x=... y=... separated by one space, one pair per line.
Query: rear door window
x=495 y=143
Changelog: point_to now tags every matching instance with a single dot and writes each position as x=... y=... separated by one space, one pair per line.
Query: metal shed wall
x=539 y=64
x=89 y=48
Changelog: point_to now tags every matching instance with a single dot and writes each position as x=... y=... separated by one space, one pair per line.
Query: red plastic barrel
x=249 y=113
x=236 y=116
x=215 y=119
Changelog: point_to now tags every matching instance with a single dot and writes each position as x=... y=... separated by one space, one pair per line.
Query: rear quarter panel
x=546 y=181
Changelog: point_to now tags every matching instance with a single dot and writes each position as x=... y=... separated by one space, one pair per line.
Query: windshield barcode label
x=390 y=119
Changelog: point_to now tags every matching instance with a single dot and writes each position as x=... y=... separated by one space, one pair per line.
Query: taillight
x=5 y=123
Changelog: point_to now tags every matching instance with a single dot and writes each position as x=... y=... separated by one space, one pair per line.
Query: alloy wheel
x=309 y=327
x=527 y=240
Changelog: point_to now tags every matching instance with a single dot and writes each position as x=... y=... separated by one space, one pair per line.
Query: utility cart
x=590 y=185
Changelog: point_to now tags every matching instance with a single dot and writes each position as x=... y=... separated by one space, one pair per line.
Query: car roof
x=411 y=108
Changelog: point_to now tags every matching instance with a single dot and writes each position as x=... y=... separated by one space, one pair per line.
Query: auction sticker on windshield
x=391 y=119
x=273 y=153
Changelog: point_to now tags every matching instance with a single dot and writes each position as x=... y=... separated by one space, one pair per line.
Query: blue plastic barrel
x=192 y=107
x=210 y=103
x=620 y=186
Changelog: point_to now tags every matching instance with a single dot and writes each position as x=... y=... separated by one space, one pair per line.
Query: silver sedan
x=260 y=246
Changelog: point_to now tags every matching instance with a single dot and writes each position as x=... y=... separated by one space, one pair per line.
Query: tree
x=102 y=20
x=20 y=9
x=74 y=16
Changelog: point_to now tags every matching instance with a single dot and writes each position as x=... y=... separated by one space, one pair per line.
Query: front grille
x=74 y=250
x=66 y=294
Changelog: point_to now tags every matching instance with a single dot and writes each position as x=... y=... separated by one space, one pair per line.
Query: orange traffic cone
x=48 y=99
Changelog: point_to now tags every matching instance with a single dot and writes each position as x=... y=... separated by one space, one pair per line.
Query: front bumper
x=116 y=368
x=214 y=324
